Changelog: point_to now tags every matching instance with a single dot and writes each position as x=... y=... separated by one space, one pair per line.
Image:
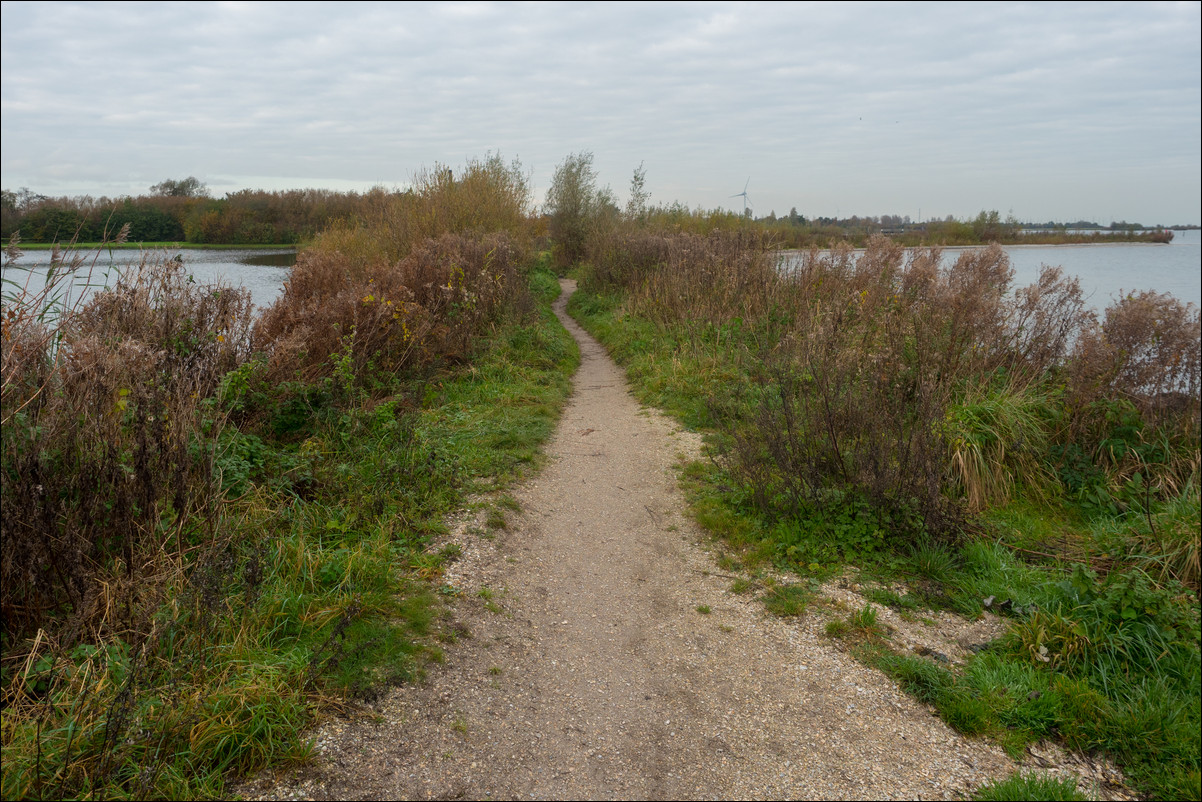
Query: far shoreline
x=154 y=246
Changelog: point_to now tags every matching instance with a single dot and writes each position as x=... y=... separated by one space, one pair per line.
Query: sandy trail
x=590 y=673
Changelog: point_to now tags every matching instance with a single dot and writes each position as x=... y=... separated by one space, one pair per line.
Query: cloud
x=862 y=107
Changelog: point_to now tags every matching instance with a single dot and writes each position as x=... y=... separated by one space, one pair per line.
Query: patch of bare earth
x=590 y=672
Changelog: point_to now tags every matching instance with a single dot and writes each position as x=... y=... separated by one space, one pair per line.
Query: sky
x=1047 y=111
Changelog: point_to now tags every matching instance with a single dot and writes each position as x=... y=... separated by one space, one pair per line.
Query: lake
x=1105 y=270
x=261 y=271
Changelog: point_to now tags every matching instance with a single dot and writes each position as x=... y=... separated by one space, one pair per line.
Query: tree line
x=184 y=211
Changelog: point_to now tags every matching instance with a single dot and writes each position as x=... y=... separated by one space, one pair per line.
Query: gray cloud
x=1054 y=111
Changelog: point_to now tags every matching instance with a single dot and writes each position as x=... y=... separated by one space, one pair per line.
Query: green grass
x=1029 y=787
x=788 y=600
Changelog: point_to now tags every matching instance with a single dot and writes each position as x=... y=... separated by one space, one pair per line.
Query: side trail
x=589 y=671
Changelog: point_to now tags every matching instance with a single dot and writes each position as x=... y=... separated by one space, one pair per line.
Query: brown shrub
x=684 y=278
x=388 y=316
x=859 y=387
x=107 y=478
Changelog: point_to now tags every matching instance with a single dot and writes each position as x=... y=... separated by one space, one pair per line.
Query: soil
x=607 y=657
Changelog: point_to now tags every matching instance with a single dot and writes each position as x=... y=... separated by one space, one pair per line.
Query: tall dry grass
x=387 y=317
x=931 y=392
x=106 y=450
x=672 y=278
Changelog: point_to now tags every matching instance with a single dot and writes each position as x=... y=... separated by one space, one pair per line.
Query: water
x=1109 y=270
x=263 y=272
x=1105 y=270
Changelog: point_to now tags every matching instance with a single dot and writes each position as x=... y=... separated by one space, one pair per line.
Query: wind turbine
x=743 y=195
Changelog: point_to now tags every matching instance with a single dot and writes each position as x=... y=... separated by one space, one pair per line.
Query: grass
x=1029 y=787
x=788 y=600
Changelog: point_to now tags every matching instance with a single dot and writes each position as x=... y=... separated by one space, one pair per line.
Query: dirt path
x=590 y=673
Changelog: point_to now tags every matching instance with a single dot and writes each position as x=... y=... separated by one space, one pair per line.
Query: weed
x=728 y=563
x=787 y=600
x=704 y=609
x=864 y=620
x=933 y=560
x=1030 y=787
x=495 y=670
x=742 y=585
x=890 y=599
x=837 y=628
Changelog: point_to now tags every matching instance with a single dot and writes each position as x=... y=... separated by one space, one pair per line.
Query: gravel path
x=590 y=672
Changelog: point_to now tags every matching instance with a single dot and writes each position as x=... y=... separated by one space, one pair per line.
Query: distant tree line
x=183 y=211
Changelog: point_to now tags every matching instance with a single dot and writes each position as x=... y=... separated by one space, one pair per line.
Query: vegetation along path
x=608 y=659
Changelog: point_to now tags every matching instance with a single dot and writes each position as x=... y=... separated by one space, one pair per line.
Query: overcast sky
x=1049 y=111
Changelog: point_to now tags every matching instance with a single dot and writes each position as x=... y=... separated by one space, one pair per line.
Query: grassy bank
x=215 y=527
x=986 y=450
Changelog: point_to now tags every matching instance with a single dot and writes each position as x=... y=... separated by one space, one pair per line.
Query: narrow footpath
x=590 y=672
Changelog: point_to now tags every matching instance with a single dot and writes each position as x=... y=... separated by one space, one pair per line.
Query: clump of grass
x=864 y=620
x=742 y=585
x=787 y=600
x=996 y=435
x=933 y=560
x=837 y=628
x=496 y=519
x=909 y=602
x=704 y=609
x=862 y=623
x=1030 y=787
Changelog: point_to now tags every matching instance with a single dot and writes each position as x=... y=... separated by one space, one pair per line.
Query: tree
x=572 y=203
x=636 y=206
x=190 y=187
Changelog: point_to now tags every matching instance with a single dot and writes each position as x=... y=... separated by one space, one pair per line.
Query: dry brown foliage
x=108 y=478
x=424 y=307
x=674 y=278
x=866 y=355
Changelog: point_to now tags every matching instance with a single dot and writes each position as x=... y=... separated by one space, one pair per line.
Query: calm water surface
x=263 y=272
x=1109 y=270
x=1105 y=270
